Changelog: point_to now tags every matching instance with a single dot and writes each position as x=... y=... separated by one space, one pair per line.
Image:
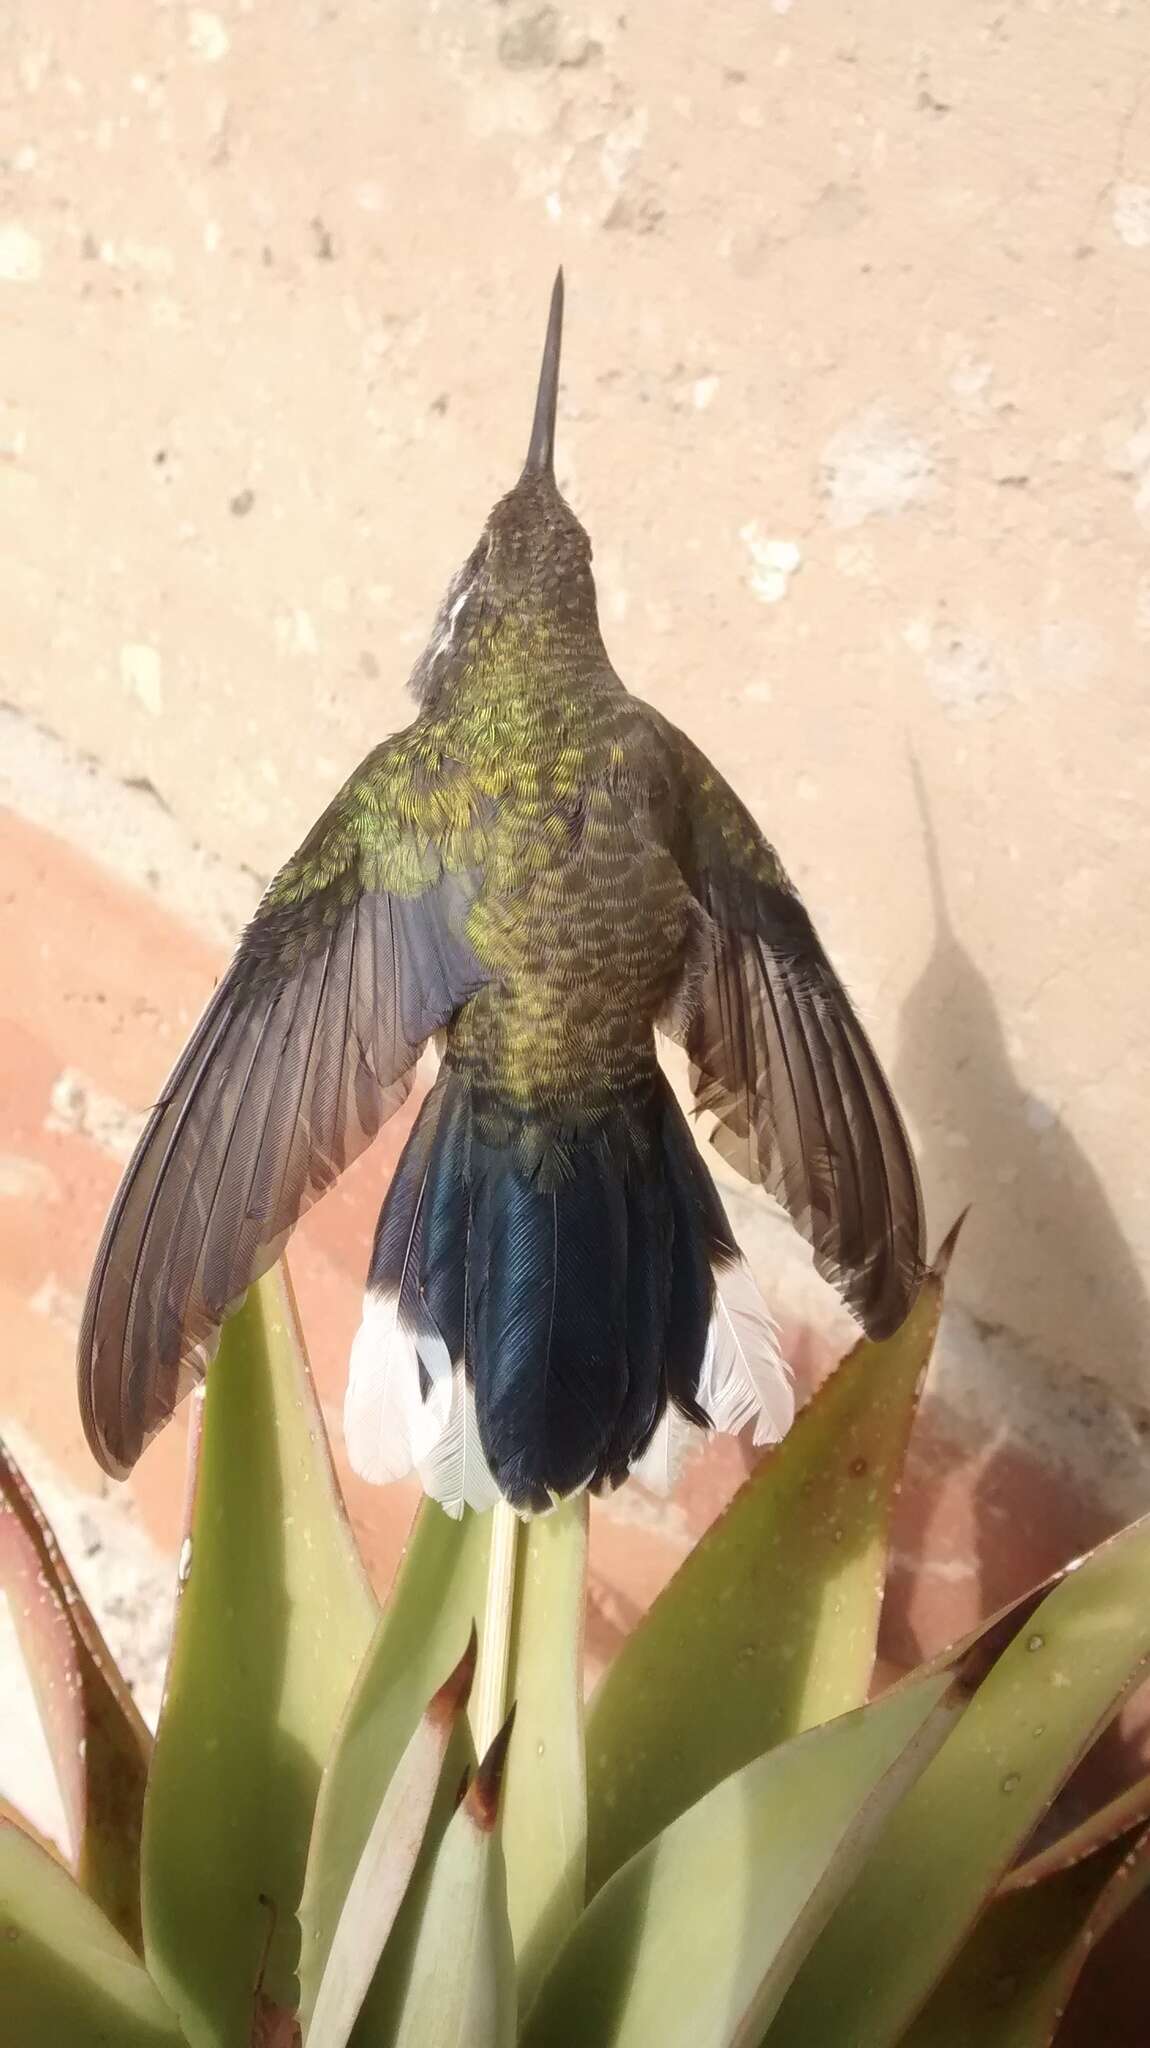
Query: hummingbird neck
x=526 y=666
x=519 y=625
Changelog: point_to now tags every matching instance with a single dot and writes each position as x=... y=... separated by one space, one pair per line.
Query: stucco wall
x=856 y=409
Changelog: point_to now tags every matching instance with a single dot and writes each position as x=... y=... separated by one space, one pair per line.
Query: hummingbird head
x=529 y=574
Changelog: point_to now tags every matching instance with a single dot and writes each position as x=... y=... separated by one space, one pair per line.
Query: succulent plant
x=737 y=1845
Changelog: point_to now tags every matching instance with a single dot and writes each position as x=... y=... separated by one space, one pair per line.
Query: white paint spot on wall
x=918 y=635
x=77 y=1105
x=296 y=634
x=26 y=1180
x=758 y=693
x=622 y=147
x=966 y=675
x=13 y=434
x=970 y=382
x=773 y=562
x=142 y=672
x=1127 y=447
x=703 y=391
x=837 y=209
x=153 y=258
x=1070 y=654
x=872 y=468
x=856 y=559
x=553 y=206
x=57 y=1303
x=208 y=39
x=1038 y=1114
x=21 y=257
x=1131 y=215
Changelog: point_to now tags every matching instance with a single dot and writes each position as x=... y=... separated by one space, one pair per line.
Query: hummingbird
x=538 y=873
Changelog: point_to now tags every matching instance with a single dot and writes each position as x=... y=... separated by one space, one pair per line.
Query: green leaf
x=542 y=1825
x=942 y=1854
x=380 y=2016
x=462 y=1984
x=97 y=1741
x=1106 y=1824
x=438 y=1594
x=544 y=1822
x=67 y=1979
x=384 y=1871
x=1014 y=1979
x=692 y=1943
x=769 y=1626
x=272 y=1623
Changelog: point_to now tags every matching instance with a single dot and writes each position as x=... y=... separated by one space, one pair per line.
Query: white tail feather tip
x=387 y=1425
x=744 y=1375
x=390 y=1428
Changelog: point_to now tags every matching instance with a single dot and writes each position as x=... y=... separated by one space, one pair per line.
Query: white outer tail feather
x=390 y=1430
x=388 y=1427
x=454 y=1471
x=744 y=1376
x=661 y=1463
x=744 y=1373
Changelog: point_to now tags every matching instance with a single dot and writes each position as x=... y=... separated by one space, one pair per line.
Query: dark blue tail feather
x=570 y=1275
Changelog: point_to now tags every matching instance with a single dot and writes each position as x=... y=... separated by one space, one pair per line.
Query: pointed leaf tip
x=482 y=1799
x=770 y=1624
x=1057 y=1684
x=455 y=1691
x=976 y=1663
x=99 y=1746
x=266 y=1497
x=940 y=1264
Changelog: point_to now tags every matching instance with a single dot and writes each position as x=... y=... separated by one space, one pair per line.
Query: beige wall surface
x=856 y=408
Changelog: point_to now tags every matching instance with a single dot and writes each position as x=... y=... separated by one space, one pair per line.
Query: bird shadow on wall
x=1043 y=1254
x=1044 y=1262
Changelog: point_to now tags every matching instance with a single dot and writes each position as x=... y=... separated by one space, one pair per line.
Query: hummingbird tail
x=547 y=1308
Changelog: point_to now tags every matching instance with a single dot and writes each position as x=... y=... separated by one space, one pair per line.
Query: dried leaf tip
x=940 y=1264
x=482 y=1801
x=455 y=1691
x=273 y=2025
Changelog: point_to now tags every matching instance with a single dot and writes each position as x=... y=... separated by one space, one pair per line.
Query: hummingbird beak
x=541 y=452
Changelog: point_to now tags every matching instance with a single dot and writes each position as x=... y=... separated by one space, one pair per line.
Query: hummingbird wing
x=355 y=957
x=779 y=1056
